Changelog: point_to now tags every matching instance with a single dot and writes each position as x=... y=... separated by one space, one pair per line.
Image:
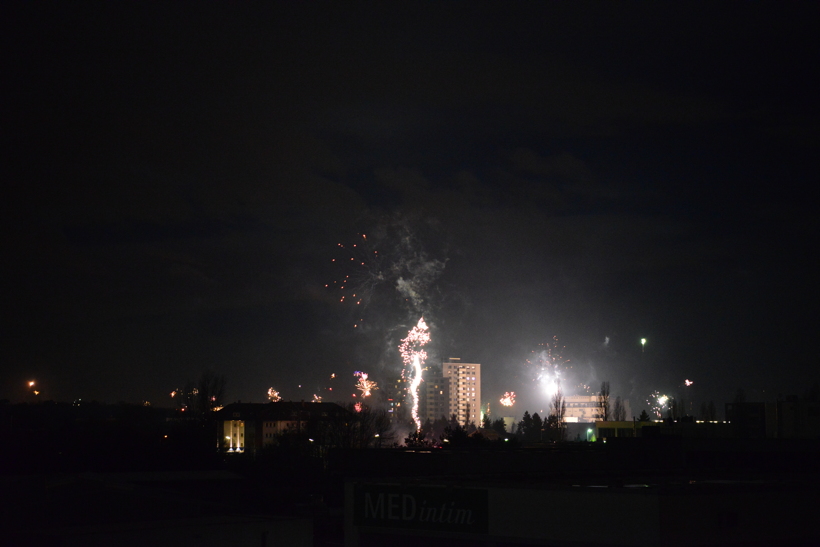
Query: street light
x=589 y=432
x=643 y=344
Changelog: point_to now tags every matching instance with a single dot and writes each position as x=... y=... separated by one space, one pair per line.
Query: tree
x=455 y=434
x=439 y=425
x=210 y=390
x=537 y=433
x=644 y=417
x=382 y=427
x=486 y=423
x=498 y=427
x=530 y=428
x=558 y=410
x=603 y=402
x=416 y=439
x=427 y=428
x=525 y=425
x=619 y=413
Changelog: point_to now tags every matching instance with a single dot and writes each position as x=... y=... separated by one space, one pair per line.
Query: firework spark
x=363 y=264
x=548 y=367
x=362 y=273
x=414 y=356
x=358 y=407
x=658 y=402
x=316 y=398
x=688 y=382
x=508 y=399
x=273 y=395
x=364 y=385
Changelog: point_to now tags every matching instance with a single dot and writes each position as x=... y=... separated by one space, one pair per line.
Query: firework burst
x=359 y=271
x=273 y=395
x=658 y=402
x=548 y=367
x=508 y=399
x=364 y=384
x=414 y=356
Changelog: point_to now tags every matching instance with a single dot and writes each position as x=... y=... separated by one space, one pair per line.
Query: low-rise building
x=249 y=427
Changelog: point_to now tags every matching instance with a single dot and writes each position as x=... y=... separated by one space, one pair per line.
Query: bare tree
x=210 y=390
x=558 y=410
x=603 y=402
x=619 y=412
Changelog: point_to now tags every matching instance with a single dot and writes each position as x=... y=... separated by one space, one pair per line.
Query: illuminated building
x=454 y=388
x=435 y=395
x=398 y=405
x=248 y=427
x=581 y=408
x=465 y=390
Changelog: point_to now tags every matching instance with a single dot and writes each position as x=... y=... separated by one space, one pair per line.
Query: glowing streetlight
x=643 y=344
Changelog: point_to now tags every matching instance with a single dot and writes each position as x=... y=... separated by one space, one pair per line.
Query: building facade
x=465 y=390
x=249 y=427
x=435 y=395
x=581 y=408
x=396 y=399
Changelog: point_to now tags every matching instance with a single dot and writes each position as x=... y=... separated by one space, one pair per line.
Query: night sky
x=178 y=179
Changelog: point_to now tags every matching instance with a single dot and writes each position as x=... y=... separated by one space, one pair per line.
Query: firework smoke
x=387 y=262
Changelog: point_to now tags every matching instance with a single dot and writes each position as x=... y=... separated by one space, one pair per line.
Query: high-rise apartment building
x=434 y=396
x=465 y=390
x=398 y=404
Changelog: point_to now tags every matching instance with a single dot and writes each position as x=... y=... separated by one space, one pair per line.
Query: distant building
x=248 y=427
x=395 y=392
x=581 y=408
x=434 y=400
x=796 y=419
x=587 y=408
x=465 y=390
x=454 y=388
x=789 y=419
x=752 y=420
